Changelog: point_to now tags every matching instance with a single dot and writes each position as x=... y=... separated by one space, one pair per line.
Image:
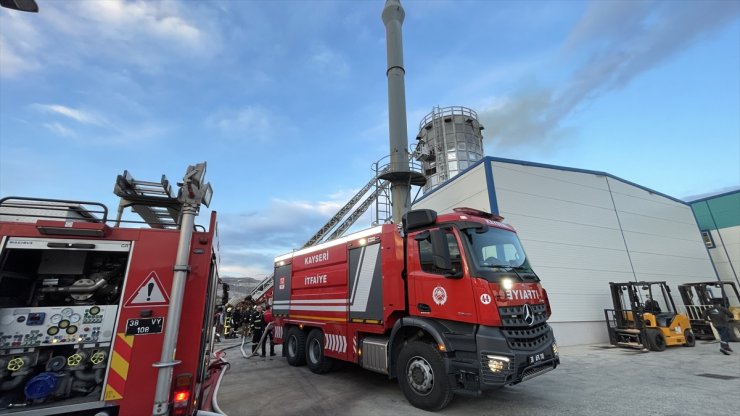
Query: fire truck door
x=437 y=294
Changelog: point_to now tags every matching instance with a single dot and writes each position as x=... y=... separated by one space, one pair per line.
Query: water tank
x=449 y=141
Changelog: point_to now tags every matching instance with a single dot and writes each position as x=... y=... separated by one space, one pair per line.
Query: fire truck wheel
x=735 y=331
x=295 y=343
x=690 y=338
x=656 y=340
x=422 y=377
x=315 y=358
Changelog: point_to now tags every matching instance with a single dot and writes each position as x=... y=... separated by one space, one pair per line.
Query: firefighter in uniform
x=720 y=317
x=257 y=327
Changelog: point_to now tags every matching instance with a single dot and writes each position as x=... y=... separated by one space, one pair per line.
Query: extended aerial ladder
x=339 y=223
x=334 y=220
x=346 y=216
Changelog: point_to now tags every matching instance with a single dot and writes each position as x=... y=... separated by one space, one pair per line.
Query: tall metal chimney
x=400 y=176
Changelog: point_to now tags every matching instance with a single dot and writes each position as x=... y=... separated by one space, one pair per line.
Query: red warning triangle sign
x=149 y=293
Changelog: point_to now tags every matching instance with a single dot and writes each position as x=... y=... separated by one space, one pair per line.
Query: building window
x=708 y=240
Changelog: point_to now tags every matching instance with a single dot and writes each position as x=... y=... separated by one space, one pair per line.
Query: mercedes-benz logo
x=528 y=314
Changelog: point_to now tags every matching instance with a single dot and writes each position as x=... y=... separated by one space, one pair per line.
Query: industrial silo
x=449 y=141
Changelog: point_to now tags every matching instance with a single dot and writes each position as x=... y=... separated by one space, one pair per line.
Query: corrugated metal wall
x=568 y=226
x=726 y=250
x=583 y=230
x=466 y=190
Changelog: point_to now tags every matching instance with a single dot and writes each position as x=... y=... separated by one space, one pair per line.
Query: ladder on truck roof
x=153 y=201
x=261 y=289
x=357 y=213
x=333 y=221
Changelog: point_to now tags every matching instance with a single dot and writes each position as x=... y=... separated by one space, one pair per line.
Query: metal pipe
x=76 y=288
x=393 y=15
x=174 y=310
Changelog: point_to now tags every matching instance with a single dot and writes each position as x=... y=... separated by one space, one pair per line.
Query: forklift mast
x=646 y=317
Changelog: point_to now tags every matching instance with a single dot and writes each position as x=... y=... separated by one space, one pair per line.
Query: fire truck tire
x=656 y=340
x=422 y=376
x=735 y=331
x=690 y=338
x=317 y=362
x=295 y=344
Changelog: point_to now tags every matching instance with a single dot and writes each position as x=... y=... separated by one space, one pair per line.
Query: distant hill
x=240 y=287
x=241 y=280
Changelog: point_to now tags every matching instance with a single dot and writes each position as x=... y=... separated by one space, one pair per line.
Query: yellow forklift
x=701 y=296
x=645 y=317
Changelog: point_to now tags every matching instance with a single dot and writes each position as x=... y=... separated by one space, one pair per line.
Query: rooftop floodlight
x=207 y=195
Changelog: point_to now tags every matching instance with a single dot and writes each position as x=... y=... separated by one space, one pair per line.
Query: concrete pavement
x=592 y=380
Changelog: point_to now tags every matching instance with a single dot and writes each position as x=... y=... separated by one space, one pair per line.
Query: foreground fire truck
x=448 y=304
x=91 y=312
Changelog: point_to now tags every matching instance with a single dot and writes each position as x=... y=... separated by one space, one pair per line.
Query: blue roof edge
x=544 y=165
x=707 y=198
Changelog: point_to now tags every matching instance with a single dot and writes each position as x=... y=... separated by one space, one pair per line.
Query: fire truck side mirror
x=440 y=250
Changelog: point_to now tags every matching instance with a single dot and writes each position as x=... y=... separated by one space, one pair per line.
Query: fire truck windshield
x=494 y=251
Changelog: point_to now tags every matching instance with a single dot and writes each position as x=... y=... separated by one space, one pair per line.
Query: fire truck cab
x=447 y=304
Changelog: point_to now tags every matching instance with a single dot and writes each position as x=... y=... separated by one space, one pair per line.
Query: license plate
x=144 y=326
x=536 y=358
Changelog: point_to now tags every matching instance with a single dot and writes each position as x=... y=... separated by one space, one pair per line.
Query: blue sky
x=286 y=100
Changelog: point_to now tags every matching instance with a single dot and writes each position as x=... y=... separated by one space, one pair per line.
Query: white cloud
x=119 y=133
x=19 y=43
x=256 y=238
x=157 y=18
x=253 y=122
x=328 y=62
x=81 y=116
x=145 y=35
x=11 y=63
x=59 y=129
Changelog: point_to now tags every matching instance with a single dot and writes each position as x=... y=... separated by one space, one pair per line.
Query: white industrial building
x=581 y=230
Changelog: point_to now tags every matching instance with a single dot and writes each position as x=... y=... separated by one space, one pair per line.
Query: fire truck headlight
x=362 y=241
x=498 y=364
x=507 y=284
x=555 y=349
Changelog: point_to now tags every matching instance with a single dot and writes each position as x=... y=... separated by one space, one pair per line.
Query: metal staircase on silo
x=376 y=191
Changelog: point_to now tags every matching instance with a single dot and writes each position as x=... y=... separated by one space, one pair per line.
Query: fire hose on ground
x=220 y=355
x=262 y=339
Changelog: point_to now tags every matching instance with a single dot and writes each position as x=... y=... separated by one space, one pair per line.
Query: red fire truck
x=447 y=304
x=91 y=311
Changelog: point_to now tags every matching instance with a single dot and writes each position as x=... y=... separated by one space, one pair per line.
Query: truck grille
x=520 y=335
